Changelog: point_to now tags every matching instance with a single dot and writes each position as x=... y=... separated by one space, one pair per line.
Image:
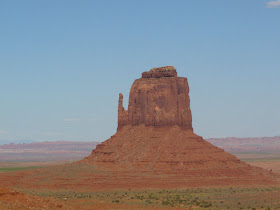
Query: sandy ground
x=56 y=178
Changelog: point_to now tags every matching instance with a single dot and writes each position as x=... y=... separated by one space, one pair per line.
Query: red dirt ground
x=11 y=199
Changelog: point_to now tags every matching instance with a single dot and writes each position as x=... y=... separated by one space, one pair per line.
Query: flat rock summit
x=155 y=134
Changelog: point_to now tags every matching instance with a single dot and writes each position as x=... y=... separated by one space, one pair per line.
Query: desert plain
x=15 y=196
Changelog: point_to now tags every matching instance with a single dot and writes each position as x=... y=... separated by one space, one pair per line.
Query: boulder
x=167 y=71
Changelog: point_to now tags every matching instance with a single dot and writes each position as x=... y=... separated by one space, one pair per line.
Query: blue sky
x=63 y=63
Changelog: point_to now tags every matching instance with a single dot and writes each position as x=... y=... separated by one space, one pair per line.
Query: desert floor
x=242 y=197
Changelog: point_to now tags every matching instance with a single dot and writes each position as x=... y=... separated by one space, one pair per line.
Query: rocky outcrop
x=167 y=71
x=122 y=113
x=155 y=136
x=160 y=99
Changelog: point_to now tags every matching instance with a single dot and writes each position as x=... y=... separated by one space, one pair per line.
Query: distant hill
x=262 y=152
x=46 y=151
x=248 y=145
x=75 y=150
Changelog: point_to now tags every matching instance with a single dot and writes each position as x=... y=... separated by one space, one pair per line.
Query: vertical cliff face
x=159 y=98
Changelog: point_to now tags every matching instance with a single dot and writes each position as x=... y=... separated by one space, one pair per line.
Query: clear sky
x=63 y=64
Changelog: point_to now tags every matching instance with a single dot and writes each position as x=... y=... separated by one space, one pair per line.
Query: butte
x=155 y=136
x=154 y=148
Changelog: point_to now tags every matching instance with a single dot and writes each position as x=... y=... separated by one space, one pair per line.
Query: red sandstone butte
x=156 y=134
x=162 y=99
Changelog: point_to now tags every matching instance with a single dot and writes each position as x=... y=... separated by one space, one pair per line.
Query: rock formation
x=159 y=98
x=154 y=148
x=122 y=113
x=167 y=71
x=155 y=134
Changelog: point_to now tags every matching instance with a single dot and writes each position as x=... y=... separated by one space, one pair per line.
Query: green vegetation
x=206 y=198
x=267 y=159
x=18 y=168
